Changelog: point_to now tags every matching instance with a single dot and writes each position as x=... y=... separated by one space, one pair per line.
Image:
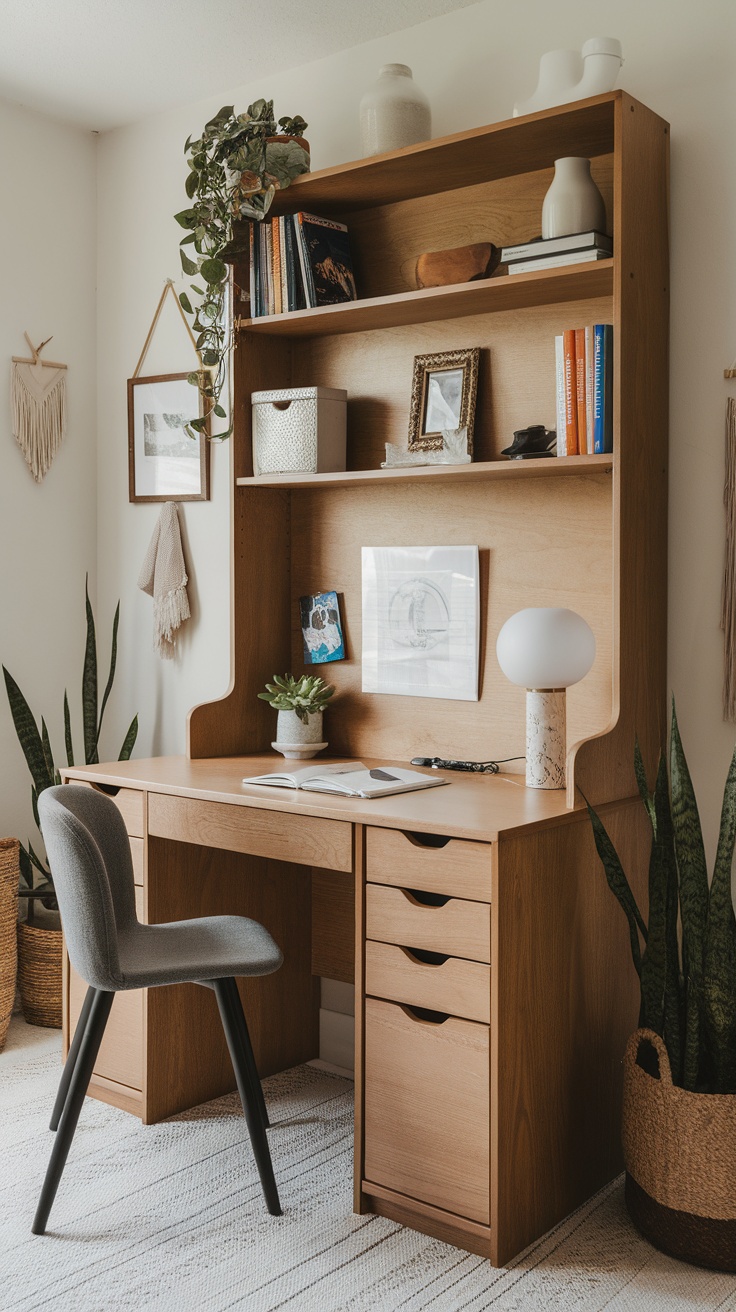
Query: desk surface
x=470 y=806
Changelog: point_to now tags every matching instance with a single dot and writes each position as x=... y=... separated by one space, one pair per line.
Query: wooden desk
x=494 y=993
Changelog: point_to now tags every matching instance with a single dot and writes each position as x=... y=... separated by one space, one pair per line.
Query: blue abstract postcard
x=321 y=628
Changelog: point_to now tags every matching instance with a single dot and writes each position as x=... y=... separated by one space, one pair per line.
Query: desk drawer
x=458 y=988
x=426 y=1116
x=129 y=801
x=460 y=868
x=305 y=839
x=450 y=925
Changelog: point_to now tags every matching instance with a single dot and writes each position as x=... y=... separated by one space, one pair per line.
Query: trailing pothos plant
x=36 y=881
x=235 y=168
x=688 y=981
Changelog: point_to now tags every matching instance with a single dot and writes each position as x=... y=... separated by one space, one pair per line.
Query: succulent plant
x=688 y=986
x=304 y=695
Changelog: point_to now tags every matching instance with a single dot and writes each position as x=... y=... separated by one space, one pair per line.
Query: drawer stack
x=120 y=1059
x=427 y=1015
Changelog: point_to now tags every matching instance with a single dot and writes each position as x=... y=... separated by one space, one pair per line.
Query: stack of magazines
x=297 y=262
x=552 y=252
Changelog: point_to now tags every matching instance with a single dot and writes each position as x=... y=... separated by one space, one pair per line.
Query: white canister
x=299 y=430
x=573 y=202
x=394 y=112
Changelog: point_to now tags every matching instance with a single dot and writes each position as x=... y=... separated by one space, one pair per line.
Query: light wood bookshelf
x=589 y=533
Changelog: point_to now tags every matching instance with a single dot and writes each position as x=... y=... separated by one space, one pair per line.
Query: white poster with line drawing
x=421 y=621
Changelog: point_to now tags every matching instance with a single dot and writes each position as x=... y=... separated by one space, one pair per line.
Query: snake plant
x=305 y=695
x=688 y=980
x=36 y=745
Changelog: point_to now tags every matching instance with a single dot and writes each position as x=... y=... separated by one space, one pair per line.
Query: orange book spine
x=581 y=390
x=571 y=392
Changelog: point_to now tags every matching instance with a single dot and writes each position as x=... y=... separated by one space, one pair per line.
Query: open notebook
x=349 y=779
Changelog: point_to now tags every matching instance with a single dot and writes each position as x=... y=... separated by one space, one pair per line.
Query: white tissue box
x=299 y=430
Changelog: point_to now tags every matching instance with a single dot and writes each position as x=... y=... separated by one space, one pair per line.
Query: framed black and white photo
x=164 y=462
x=443 y=393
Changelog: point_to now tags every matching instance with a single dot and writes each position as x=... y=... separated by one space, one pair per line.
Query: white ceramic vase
x=394 y=112
x=296 y=738
x=573 y=202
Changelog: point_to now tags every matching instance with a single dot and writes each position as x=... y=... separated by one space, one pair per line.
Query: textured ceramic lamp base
x=546 y=740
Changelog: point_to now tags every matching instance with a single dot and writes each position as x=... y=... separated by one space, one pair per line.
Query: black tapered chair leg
x=248 y=1095
x=250 y=1060
x=78 y=1084
x=71 y=1060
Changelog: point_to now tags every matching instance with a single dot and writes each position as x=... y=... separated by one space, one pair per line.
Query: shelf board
x=517 y=145
x=572 y=282
x=569 y=467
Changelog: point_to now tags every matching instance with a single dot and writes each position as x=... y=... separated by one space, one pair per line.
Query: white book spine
x=560 y=393
x=589 y=378
x=556 y=261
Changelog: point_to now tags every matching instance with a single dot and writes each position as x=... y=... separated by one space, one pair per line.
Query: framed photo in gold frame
x=443 y=393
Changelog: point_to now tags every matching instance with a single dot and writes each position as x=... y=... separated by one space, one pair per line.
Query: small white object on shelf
x=545 y=649
x=454 y=451
x=394 y=112
x=299 y=430
x=567 y=75
x=572 y=204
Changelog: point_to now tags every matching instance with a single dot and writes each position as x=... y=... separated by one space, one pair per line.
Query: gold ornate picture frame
x=443 y=394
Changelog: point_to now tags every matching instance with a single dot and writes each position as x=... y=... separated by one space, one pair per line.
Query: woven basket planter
x=39 y=974
x=9 y=873
x=680 y=1154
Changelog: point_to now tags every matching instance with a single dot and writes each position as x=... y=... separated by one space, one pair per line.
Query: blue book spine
x=599 y=356
x=608 y=389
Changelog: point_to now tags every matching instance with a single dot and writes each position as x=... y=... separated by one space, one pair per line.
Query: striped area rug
x=170 y=1217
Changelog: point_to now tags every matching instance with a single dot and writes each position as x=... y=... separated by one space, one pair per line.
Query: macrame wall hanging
x=38 y=400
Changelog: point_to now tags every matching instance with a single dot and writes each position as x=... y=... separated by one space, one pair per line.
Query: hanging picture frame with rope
x=167 y=459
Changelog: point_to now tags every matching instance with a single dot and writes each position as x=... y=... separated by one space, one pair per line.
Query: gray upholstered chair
x=88 y=849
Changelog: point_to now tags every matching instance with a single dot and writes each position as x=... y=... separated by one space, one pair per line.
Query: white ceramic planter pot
x=394 y=112
x=296 y=738
x=573 y=202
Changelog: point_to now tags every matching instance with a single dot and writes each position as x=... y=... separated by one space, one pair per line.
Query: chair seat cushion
x=186 y=951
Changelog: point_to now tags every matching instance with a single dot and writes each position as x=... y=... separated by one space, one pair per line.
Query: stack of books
x=297 y=262
x=584 y=373
x=551 y=252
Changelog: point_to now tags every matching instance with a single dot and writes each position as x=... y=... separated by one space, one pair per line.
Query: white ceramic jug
x=573 y=202
x=394 y=112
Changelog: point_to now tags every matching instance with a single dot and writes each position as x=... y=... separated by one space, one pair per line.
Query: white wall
x=473 y=65
x=47 y=531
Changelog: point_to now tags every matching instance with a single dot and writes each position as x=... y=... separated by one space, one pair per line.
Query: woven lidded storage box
x=680 y=1155
x=299 y=430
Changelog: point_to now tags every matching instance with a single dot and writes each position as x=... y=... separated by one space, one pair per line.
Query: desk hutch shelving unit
x=489 y=1126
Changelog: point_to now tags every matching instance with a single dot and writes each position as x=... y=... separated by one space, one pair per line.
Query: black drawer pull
x=427 y=899
x=427 y=958
x=427 y=840
x=425 y=1014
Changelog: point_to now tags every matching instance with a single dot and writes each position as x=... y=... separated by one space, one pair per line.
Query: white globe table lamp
x=545 y=649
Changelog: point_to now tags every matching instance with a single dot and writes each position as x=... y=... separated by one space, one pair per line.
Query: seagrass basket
x=9 y=873
x=680 y=1155
x=39 y=974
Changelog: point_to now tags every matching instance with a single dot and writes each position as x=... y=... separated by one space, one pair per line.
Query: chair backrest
x=89 y=856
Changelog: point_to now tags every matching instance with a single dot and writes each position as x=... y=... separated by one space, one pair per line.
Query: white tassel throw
x=163 y=576
x=38 y=399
